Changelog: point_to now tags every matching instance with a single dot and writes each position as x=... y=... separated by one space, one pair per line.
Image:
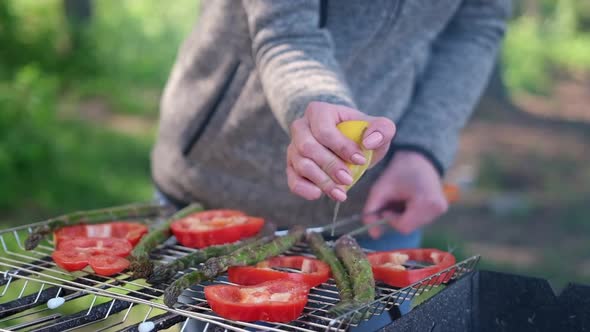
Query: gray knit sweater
x=250 y=67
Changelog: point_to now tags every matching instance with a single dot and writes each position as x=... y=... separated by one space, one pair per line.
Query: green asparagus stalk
x=326 y=254
x=173 y=291
x=252 y=255
x=166 y=272
x=248 y=255
x=140 y=263
x=361 y=275
x=94 y=217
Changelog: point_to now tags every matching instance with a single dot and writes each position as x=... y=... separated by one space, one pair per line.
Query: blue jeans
x=391 y=240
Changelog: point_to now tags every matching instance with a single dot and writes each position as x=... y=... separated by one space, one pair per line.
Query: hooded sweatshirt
x=250 y=67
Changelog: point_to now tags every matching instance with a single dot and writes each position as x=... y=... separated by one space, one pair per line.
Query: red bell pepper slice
x=103 y=246
x=131 y=231
x=387 y=265
x=70 y=260
x=203 y=229
x=313 y=271
x=272 y=301
x=107 y=265
x=96 y=246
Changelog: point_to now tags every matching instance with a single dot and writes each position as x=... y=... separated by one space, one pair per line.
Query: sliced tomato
x=70 y=260
x=203 y=229
x=96 y=246
x=313 y=271
x=131 y=231
x=272 y=301
x=107 y=265
x=388 y=265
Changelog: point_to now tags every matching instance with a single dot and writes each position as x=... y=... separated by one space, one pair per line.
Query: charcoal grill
x=30 y=282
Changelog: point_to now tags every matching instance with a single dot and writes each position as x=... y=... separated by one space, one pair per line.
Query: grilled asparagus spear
x=359 y=268
x=326 y=254
x=248 y=255
x=252 y=255
x=140 y=263
x=173 y=291
x=166 y=272
x=94 y=217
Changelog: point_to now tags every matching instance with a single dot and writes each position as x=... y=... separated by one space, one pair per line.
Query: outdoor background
x=79 y=94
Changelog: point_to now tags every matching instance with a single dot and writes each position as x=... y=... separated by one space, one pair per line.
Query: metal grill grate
x=30 y=280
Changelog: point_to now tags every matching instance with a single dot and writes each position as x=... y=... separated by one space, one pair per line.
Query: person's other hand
x=318 y=151
x=409 y=179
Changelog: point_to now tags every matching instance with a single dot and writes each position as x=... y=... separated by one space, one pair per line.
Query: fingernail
x=344 y=177
x=373 y=140
x=359 y=159
x=338 y=194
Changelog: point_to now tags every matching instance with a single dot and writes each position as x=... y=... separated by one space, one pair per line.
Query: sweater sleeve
x=461 y=60
x=294 y=57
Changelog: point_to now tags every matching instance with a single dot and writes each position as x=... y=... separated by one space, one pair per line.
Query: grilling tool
x=450 y=191
x=354 y=131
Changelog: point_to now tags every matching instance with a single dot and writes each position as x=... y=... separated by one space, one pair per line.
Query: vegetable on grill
x=212 y=227
x=96 y=246
x=248 y=255
x=94 y=217
x=173 y=290
x=166 y=272
x=271 y=301
x=326 y=254
x=388 y=266
x=141 y=265
x=131 y=231
x=311 y=271
x=76 y=253
x=359 y=269
x=252 y=255
x=107 y=265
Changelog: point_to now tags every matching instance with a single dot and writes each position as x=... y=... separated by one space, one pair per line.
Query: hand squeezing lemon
x=354 y=130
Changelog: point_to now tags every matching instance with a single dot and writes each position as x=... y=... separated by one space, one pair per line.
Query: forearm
x=294 y=57
x=461 y=61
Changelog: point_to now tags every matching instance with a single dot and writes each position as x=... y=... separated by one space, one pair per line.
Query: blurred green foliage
x=27 y=125
x=546 y=38
x=50 y=161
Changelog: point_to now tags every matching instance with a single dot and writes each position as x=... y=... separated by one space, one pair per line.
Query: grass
x=93 y=167
x=555 y=41
x=52 y=159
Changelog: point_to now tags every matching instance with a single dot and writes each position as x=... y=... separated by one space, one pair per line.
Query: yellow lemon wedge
x=354 y=130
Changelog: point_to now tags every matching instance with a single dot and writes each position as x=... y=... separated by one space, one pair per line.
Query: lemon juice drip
x=334 y=217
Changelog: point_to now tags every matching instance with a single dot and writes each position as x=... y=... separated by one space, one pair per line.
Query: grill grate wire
x=29 y=279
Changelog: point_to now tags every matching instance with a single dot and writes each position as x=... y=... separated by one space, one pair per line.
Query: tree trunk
x=78 y=15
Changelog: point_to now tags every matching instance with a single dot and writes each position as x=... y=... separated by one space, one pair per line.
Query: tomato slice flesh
x=206 y=228
x=70 y=260
x=272 y=301
x=107 y=265
x=388 y=266
x=97 y=246
x=313 y=272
